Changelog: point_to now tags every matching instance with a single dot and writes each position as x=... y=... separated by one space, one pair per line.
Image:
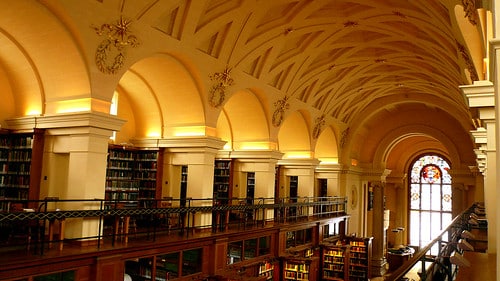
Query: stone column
x=378 y=267
x=75 y=161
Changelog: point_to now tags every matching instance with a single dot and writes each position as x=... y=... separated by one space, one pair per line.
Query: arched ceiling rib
x=336 y=56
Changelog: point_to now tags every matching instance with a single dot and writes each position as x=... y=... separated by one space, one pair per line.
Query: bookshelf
x=297 y=269
x=222 y=181
x=333 y=266
x=20 y=165
x=359 y=258
x=293 y=189
x=131 y=175
x=266 y=270
x=348 y=259
x=183 y=186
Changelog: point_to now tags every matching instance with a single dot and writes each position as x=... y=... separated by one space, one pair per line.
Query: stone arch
x=34 y=68
x=165 y=97
x=326 y=149
x=294 y=136
x=246 y=120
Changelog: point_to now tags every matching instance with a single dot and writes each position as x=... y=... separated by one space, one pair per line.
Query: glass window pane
x=234 y=252
x=250 y=248
x=436 y=224
x=167 y=266
x=264 y=245
x=447 y=198
x=60 y=276
x=191 y=261
x=308 y=233
x=425 y=228
x=301 y=236
x=290 y=239
x=435 y=197
x=414 y=224
x=425 y=197
x=139 y=268
x=415 y=197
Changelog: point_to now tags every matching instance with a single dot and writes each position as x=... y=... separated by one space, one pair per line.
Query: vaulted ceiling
x=339 y=56
x=357 y=63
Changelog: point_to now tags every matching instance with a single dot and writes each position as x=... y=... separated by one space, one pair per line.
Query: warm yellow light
x=153 y=134
x=33 y=111
x=77 y=105
x=298 y=155
x=189 y=131
x=329 y=160
x=354 y=162
x=254 y=145
x=228 y=146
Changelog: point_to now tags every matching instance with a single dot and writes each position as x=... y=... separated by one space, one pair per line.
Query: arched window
x=430 y=199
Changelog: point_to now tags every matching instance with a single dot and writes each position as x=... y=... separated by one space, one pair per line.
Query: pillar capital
x=69 y=123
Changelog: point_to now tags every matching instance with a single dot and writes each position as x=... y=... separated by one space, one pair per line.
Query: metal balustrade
x=37 y=218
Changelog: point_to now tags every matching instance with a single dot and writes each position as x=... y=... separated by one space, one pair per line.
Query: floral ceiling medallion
x=110 y=54
x=343 y=137
x=320 y=122
x=218 y=90
x=470 y=11
x=279 y=112
x=468 y=62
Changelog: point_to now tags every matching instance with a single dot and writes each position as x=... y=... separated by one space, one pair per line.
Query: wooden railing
x=440 y=264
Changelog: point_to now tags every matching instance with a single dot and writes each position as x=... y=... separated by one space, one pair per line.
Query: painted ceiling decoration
x=279 y=112
x=218 y=90
x=318 y=127
x=470 y=11
x=110 y=54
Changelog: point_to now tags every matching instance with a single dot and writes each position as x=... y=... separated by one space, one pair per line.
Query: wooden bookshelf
x=266 y=269
x=132 y=175
x=297 y=269
x=359 y=258
x=20 y=165
x=334 y=263
x=348 y=259
x=222 y=181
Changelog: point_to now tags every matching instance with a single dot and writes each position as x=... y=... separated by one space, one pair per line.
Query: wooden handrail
x=420 y=255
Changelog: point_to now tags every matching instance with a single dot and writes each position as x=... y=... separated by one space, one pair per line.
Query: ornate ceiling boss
x=110 y=54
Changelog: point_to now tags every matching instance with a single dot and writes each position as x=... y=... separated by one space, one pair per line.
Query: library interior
x=252 y=140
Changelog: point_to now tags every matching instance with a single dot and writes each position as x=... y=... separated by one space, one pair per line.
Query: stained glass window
x=430 y=199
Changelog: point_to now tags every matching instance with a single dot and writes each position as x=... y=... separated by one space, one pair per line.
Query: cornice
x=252 y=155
x=480 y=94
x=296 y=163
x=183 y=144
x=67 y=121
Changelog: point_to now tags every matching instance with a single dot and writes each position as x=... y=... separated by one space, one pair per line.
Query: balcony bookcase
x=222 y=181
x=20 y=165
x=132 y=176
